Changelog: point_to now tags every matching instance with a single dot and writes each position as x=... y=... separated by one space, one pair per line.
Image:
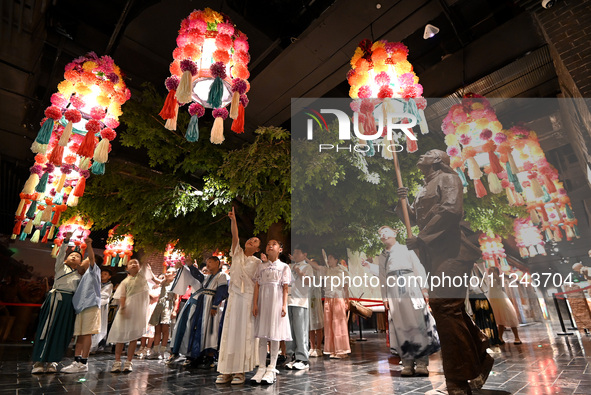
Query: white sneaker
x=71 y=368
x=269 y=377
x=147 y=353
x=116 y=367
x=51 y=367
x=128 y=367
x=140 y=352
x=258 y=375
x=290 y=364
x=38 y=367
x=301 y=365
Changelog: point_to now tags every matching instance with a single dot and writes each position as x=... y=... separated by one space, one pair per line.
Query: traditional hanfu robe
x=196 y=329
x=56 y=318
x=106 y=293
x=411 y=327
x=239 y=347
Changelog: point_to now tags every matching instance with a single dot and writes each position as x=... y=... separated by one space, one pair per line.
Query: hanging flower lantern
x=210 y=70
x=381 y=75
x=118 y=249
x=172 y=255
x=80 y=229
x=528 y=237
x=86 y=106
x=493 y=252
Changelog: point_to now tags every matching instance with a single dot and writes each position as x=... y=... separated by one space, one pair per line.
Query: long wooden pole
x=402 y=201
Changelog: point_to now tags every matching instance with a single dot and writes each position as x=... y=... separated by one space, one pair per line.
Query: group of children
x=265 y=302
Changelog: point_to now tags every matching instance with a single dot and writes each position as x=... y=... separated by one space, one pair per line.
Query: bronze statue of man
x=445 y=252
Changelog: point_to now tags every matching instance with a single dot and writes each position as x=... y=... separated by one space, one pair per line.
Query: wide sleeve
x=184 y=279
x=61 y=257
x=196 y=273
x=448 y=209
x=121 y=289
x=286 y=277
x=221 y=293
x=106 y=292
x=418 y=268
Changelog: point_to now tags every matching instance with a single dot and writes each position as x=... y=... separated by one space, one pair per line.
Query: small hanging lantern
x=172 y=256
x=118 y=250
x=210 y=68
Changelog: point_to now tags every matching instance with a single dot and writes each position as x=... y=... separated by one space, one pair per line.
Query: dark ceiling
x=298 y=48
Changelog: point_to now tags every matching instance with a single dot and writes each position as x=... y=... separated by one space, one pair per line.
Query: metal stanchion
x=573 y=326
x=564 y=332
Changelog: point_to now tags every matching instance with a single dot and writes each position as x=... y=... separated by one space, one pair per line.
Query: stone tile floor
x=544 y=364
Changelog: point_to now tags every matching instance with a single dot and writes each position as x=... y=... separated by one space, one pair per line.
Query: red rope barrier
x=21 y=304
x=572 y=292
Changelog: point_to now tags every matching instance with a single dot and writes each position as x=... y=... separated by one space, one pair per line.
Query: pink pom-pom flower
x=486 y=134
x=355 y=105
x=66 y=168
x=189 y=65
x=421 y=103
x=241 y=43
x=77 y=102
x=239 y=85
x=225 y=28
x=218 y=69
x=85 y=173
x=53 y=112
x=73 y=115
x=382 y=78
x=93 y=126
x=220 y=113
x=505 y=183
x=114 y=78
x=244 y=100
x=97 y=113
x=36 y=169
x=111 y=123
x=453 y=151
x=109 y=134
x=172 y=83
x=465 y=139
x=500 y=138
x=223 y=41
x=196 y=109
x=49 y=167
x=57 y=99
x=367 y=106
x=364 y=92
x=241 y=57
x=385 y=91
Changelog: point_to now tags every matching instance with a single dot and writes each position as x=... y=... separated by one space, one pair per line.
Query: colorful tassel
x=569 y=212
x=411 y=145
x=569 y=233
x=462 y=176
x=474 y=171
x=576 y=231
x=557 y=235
x=510 y=197
x=535 y=218
x=549 y=184
x=60 y=183
x=42 y=184
x=101 y=152
x=547 y=196
x=536 y=188
x=65 y=138
x=192 y=134
x=217 y=132
x=480 y=189
x=58 y=210
x=512 y=163
x=28 y=228
x=17 y=227
x=20 y=207
x=519 y=199
x=45 y=236
x=216 y=91
x=541 y=250
x=43 y=137
x=544 y=213
x=51 y=232
x=36 y=235
x=84 y=163
x=183 y=93
x=87 y=146
x=238 y=123
x=46 y=216
x=23 y=236
x=518 y=187
x=234 y=105
x=371 y=151
x=494 y=184
x=31 y=183
x=532 y=251
x=495 y=164
x=170 y=105
x=57 y=153
x=39 y=217
x=72 y=200
x=171 y=122
x=58 y=198
x=523 y=252
x=510 y=175
x=98 y=168
x=80 y=185
x=32 y=209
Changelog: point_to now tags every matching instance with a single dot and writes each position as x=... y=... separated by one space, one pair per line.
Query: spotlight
x=430 y=31
x=555 y=249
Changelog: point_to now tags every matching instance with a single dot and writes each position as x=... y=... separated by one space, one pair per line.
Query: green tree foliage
x=188 y=188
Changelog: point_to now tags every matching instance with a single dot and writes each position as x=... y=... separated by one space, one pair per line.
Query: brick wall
x=154 y=259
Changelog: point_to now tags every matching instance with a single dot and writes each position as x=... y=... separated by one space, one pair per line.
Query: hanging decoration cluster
x=172 y=255
x=80 y=229
x=118 y=250
x=514 y=163
x=382 y=78
x=529 y=238
x=86 y=108
x=493 y=252
x=210 y=70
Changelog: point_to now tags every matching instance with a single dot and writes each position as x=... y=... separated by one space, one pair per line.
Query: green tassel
x=23 y=236
x=518 y=187
x=576 y=230
x=569 y=212
x=98 y=168
x=192 y=134
x=58 y=198
x=462 y=177
x=216 y=91
x=115 y=260
x=42 y=185
x=32 y=209
x=511 y=176
x=45 y=132
x=371 y=152
x=546 y=198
